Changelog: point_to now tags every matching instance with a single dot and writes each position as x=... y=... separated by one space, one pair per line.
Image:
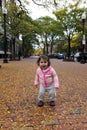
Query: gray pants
x=50 y=90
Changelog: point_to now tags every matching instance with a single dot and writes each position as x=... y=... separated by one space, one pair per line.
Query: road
x=18 y=97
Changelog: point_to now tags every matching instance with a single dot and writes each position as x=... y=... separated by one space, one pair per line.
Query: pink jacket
x=46 y=77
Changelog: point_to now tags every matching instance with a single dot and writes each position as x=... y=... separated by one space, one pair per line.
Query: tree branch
x=45 y=3
x=38 y=3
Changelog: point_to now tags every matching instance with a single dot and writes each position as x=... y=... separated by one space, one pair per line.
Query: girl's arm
x=36 y=81
x=56 y=80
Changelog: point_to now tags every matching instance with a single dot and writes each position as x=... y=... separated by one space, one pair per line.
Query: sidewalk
x=18 y=97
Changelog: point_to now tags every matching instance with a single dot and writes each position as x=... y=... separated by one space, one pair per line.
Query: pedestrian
x=47 y=78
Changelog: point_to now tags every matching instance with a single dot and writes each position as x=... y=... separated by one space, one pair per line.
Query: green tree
x=50 y=31
x=70 y=19
x=29 y=30
x=19 y=22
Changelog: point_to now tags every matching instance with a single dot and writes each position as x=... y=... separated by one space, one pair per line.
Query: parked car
x=2 y=54
x=59 y=56
x=81 y=57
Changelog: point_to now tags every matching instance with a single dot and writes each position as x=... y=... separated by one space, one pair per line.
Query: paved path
x=18 y=97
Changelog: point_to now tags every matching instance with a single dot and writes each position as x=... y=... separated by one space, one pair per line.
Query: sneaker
x=41 y=103
x=52 y=103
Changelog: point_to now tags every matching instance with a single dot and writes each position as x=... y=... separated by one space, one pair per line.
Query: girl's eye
x=43 y=62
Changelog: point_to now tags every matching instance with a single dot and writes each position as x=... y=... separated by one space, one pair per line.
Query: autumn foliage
x=18 y=97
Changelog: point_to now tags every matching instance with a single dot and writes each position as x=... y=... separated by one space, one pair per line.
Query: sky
x=38 y=11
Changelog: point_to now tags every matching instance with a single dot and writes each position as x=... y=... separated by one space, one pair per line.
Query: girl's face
x=43 y=64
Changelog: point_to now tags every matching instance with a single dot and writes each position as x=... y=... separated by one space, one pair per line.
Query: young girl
x=48 y=80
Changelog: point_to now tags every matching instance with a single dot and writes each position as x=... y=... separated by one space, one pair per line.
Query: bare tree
x=54 y=4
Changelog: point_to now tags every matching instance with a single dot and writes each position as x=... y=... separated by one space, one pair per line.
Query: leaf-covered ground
x=18 y=97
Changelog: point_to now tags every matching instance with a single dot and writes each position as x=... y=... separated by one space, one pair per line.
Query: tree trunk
x=51 y=48
x=13 y=48
x=46 y=45
x=69 y=49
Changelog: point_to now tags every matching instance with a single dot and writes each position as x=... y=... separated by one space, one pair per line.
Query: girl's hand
x=57 y=87
x=35 y=85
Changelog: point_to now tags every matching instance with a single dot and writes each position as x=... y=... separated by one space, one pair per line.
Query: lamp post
x=83 y=37
x=4 y=11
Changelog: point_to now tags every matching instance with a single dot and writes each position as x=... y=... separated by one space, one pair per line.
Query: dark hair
x=45 y=58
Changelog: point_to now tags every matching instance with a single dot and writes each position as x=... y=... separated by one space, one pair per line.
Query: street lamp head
x=4 y=10
x=84 y=15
